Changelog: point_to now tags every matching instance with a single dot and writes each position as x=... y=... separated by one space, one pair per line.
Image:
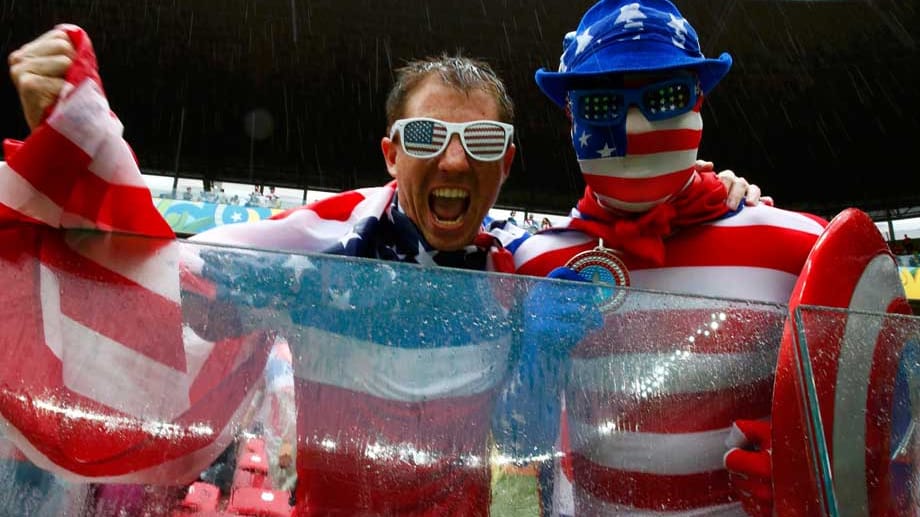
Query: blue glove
x=557 y=316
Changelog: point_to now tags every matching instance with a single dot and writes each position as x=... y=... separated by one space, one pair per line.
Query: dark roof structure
x=821 y=108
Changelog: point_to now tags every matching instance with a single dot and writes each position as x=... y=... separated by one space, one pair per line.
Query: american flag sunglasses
x=658 y=101
x=483 y=140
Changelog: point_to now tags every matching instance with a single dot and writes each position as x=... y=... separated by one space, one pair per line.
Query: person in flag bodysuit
x=76 y=172
x=632 y=80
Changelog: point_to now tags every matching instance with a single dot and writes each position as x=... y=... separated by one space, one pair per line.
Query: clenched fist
x=38 y=69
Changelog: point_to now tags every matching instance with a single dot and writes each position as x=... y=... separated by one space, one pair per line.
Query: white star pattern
x=629 y=14
x=424 y=257
x=352 y=235
x=584 y=138
x=299 y=264
x=566 y=41
x=236 y=217
x=607 y=151
x=680 y=30
x=583 y=41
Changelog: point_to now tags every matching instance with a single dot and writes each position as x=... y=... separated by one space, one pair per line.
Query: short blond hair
x=463 y=73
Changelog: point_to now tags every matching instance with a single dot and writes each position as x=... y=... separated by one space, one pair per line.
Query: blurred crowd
x=259 y=196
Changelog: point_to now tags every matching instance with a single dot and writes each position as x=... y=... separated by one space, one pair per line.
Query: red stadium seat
x=201 y=497
x=252 y=466
x=261 y=503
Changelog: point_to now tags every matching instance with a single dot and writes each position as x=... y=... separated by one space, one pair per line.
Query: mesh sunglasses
x=483 y=140
x=657 y=101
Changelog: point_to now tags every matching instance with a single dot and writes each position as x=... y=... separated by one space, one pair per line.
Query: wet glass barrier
x=145 y=377
x=860 y=380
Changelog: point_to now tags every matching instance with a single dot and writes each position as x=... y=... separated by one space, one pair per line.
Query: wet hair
x=463 y=73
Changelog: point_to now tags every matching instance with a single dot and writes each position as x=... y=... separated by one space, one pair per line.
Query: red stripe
x=120 y=207
x=673 y=414
x=193 y=283
x=750 y=246
x=665 y=331
x=154 y=326
x=7 y=215
x=639 y=190
x=542 y=264
x=699 y=246
x=11 y=147
x=58 y=168
x=221 y=360
x=99 y=451
x=330 y=483
x=431 y=425
x=347 y=478
x=663 y=141
x=651 y=491
x=51 y=163
x=334 y=208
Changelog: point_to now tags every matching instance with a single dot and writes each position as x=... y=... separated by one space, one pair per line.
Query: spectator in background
x=222 y=197
x=908 y=245
x=274 y=200
x=208 y=196
x=511 y=218
x=529 y=224
x=187 y=195
x=255 y=197
x=546 y=224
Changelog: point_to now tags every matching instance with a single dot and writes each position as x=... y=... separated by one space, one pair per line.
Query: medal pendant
x=603 y=266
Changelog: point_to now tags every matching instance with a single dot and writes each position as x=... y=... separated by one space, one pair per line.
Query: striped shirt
x=658 y=449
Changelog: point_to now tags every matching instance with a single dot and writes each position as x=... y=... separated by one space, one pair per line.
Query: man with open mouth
x=449 y=147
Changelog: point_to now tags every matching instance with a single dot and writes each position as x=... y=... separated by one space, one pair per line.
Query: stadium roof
x=821 y=109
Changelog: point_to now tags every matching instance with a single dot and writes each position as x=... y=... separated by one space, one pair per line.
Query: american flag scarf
x=393 y=236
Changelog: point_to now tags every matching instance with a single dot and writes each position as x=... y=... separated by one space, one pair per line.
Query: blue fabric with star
x=394 y=237
x=591 y=142
x=369 y=299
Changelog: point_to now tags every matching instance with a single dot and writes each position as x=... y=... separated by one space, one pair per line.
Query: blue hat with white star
x=620 y=36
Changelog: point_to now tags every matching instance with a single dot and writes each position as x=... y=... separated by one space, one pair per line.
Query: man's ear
x=390 y=150
x=507 y=161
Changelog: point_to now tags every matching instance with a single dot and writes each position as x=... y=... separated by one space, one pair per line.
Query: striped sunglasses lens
x=483 y=140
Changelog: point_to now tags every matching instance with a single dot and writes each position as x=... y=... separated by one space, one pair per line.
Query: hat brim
x=618 y=59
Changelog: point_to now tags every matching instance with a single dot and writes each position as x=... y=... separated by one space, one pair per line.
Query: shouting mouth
x=448 y=205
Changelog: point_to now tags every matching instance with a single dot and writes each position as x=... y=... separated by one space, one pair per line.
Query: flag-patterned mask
x=636 y=147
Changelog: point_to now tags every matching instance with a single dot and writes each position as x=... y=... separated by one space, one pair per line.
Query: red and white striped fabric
x=649 y=409
x=639 y=164
x=396 y=431
x=98 y=381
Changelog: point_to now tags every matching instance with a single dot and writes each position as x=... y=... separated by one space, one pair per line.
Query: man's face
x=449 y=195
